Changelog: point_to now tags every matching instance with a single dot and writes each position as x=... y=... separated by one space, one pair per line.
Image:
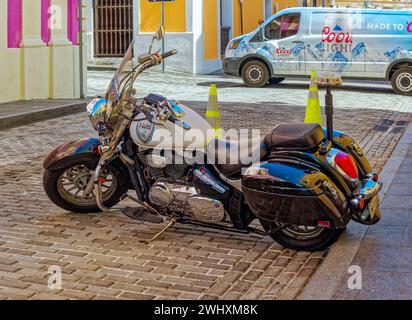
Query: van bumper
x=231 y=66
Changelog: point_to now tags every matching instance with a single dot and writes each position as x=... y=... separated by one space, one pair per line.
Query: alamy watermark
x=54 y=281
x=355 y=280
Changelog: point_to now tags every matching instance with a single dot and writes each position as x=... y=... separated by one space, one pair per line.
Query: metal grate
x=113 y=27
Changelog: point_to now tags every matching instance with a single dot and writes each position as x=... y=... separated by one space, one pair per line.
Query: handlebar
x=169 y=54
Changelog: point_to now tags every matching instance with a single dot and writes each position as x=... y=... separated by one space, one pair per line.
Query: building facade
x=39 y=50
x=198 y=29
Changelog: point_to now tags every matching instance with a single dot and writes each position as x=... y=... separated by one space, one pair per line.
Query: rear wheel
x=255 y=74
x=402 y=81
x=65 y=187
x=302 y=238
x=276 y=80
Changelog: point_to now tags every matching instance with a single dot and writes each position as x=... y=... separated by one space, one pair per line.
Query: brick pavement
x=100 y=254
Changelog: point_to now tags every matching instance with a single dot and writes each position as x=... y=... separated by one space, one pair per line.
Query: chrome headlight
x=96 y=109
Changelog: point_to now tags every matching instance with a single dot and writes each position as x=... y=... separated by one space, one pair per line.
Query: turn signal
x=347 y=164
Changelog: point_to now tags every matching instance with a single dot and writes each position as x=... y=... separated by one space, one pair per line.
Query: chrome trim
x=369 y=189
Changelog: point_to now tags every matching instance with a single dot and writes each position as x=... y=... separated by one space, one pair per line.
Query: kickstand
x=143 y=204
x=170 y=224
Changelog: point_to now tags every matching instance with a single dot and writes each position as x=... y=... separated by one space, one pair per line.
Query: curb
x=326 y=279
x=24 y=118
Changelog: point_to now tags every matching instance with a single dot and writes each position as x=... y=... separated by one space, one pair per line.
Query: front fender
x=71 y=152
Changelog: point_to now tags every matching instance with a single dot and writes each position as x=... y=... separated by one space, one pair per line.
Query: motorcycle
x=305 y=186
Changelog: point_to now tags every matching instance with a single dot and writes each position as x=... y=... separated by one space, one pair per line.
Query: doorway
x=112 y=27
x=226 y=13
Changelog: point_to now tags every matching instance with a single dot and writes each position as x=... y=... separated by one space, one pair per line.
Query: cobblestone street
x=100 y=254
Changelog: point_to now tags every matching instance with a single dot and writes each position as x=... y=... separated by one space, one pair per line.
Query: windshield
x=114 y=92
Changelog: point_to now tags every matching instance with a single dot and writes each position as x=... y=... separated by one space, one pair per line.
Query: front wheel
x=65 y=187
x=255 y=74
x=302 y=238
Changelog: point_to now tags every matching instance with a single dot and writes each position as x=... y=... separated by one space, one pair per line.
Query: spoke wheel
x=66 y=186
x=73 y=182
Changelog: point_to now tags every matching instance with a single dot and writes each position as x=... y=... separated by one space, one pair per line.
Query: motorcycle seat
x=229 y=157
x=294 y=136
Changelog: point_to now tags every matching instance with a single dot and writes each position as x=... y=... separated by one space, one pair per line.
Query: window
x=284 y=26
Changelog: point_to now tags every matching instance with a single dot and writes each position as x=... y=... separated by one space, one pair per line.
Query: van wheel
x=276 y=80
x=255 y=74
x=402 y=81
x=302 y=238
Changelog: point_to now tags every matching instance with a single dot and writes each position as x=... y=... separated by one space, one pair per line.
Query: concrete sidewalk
x=19 y=113
x=384 y=251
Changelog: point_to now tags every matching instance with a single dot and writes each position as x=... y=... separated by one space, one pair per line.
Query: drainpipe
x=81 y=62
x=241 y=16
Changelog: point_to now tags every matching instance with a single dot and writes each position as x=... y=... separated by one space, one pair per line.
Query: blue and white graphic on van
x=357 y=43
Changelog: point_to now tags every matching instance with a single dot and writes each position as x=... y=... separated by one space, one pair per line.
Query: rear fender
x=71 y=152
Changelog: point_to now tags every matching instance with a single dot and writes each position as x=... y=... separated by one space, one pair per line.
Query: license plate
x=372 y=209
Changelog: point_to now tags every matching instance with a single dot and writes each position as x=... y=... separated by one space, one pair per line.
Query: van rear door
x=335 y=42
x=388 y=39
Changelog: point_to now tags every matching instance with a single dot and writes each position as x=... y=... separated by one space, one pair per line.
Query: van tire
x=401 y=81
x=276 y=80
x=255 y=74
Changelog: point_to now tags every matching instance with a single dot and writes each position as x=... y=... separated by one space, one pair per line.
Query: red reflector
x=361 y=203
x=324 y=224
x=347 y=164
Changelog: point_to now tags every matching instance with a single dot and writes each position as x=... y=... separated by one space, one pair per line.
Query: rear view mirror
x=160 y=33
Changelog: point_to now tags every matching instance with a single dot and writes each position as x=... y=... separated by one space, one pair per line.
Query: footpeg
x=142 y=214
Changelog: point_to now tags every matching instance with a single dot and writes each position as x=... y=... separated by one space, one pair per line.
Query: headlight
x=96 y=109
x=234 y=44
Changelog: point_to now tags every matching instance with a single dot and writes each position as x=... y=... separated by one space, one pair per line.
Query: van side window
x=284 y=26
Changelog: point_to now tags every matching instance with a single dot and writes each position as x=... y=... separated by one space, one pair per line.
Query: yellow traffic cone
x=213 y=113
x=313 y=112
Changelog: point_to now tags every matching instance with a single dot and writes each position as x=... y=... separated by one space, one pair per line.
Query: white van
x=356 y=43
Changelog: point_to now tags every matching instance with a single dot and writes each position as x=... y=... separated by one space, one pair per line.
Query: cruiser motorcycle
x=303 y=184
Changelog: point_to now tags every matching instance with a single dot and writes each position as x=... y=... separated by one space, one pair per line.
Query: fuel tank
x=168 y=135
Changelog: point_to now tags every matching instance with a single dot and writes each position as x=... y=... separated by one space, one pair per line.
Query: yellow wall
x=210 y=29
x=252 y=16
x=283 y=4
x=9 y=62
x=175 y=16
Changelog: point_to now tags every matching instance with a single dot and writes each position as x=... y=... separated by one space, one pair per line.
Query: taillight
x=347 y=164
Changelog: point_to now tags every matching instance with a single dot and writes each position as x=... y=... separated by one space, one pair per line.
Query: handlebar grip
x=169 y=54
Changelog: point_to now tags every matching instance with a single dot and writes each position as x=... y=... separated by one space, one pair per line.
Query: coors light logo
x=336 y=39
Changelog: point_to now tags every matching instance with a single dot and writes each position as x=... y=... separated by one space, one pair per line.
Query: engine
x=159 y=168
x=176 y=196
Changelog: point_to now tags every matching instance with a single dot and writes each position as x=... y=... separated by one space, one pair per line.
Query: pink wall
x=72 y=21
x=45 y=15
x=13 y=23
